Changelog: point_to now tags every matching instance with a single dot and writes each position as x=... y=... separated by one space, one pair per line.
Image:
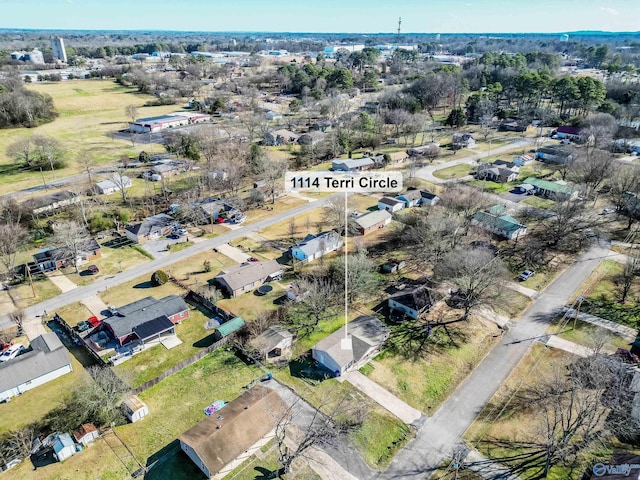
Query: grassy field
x=256 y=467
x=136 y=289
x=191 y=271
x=425 y=382
x=588 y=335
x=249 y=305
x=89 y=111
x=74 y=313
x=311 y=222
x=34 y=404
x=537 y=202
x=23 y=294
x=515 y=303
x=457 y=171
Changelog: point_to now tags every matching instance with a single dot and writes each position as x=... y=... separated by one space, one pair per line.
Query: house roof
x=504 y=164
x=554 y=150
x=47 y=354
x=428 y=148
x=63 y=253
x=497 y=209
x=373 y=218
x=416 y=298
x=428 y=195
x=284 y=133
x=150 y=224
x=153 y=327
x=322 y=242
x=503 y=222
x=354 y=162
x=133 y=403
x=114 y=183
x=365 y=332
x=462 y=137
x=568 y=130
x=550 y=186
x=271 y=338
x=411 y=195
x=219 y=439
x=231 y=326
x=390 y=201
x=160 y=119
x=84 y=429
x=50 y=199
x=237 y=276
x=144 y=310
x=396 y=156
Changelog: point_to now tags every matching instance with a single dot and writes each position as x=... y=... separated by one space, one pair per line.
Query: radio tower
x=399 y=23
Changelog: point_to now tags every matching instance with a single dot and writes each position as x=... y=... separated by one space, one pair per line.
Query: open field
x=34 y=404
x=89 y=110
x=425 y=382
x=74 y=313
x=457 y=171
x=136 y=289
x=312 y=222
x=260 y=250
x=23 y=294
x=249 y=305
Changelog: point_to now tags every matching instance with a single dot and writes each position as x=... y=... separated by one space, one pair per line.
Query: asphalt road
x=436 y=439
x=103 y=284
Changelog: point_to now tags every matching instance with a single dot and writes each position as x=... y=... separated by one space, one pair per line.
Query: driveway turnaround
x=384 y=398
x=441 y=433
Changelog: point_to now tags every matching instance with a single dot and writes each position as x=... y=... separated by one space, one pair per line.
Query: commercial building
x=58 y=50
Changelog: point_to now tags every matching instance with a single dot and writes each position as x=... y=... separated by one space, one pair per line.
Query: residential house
x=86 y=434
x=353 y=164
x=44 y=361
x=316 y=246
x=502 y=225
x=50 y=259
x=166 y=169
x=429 y=150
x=313 y=137
x=506 y=164
x=244 y=277
x=366 y=334
x=570 y=133
x=398 y=157
x=322 y=125
x=372 y=221
x=271 y=115
x=150 y=228
x=389 y=204
x=211 y=209
x=428 y=198
x=462 y=140
x=220 y=443
x=134 y=409
x=147 y=319
x=229 y=327
x=411 y=301
x=558 y=190
x=63 y=446
x=553 y=154
x=217 y=175
x=513 y=125
x=411 y=198
x=496 y=174
x=280 y=137
x=522 y=160
x=116 y=184
x=274 y=343
x=51 y=202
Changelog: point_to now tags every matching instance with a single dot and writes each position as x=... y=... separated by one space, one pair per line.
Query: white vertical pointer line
x=346 y=254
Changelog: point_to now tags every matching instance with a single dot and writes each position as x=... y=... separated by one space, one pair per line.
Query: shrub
x=159 y=278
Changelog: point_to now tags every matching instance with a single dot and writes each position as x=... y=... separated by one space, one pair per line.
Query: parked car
x=113 y=310
x=83 y=326
x=181 y=231
x=607 y=211
x=526 y=275
x=173 y=236
x=253 y=259
x=93 y=269
x=11 y=352
x=94 y=321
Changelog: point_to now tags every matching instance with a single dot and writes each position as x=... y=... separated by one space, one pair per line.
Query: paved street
x=438 y=436
x=103 y=284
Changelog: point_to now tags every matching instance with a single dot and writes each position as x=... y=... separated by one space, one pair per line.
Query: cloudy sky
x=367 y=16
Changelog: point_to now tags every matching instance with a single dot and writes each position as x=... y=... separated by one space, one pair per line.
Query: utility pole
x=43 y=180
x=399 y=24
x=575 y=318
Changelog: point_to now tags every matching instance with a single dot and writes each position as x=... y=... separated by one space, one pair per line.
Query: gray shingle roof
x=237 y=276
x=370 y=219
x=390 y=201
x=323 y=242
x=150 y=224
x=47 y=354
x=143 y=310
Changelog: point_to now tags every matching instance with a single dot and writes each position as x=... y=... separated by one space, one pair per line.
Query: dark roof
x=153 y=327
x=64 y=253
x=137 y=313
x=150 y=224
x=411 y=195
x=244 y=421
x=50 y=199
x=427 y=194
x=390 y=201
x=416 y=298
x=568 y=130
x=47 y=354
x=554 y=150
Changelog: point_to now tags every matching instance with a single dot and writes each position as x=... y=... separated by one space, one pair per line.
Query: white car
x=608 y=211
x=113 y=310
x=11 y=352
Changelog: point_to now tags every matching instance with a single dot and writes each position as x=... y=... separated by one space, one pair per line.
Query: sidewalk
x=623 y=331
x=568 y=346
x=527 y=292
x=384 y=398
x=487 y=469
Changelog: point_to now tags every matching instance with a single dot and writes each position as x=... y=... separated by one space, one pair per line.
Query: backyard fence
x=78 y=340
x=185 y=363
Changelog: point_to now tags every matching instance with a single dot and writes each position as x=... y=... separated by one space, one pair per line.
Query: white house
x=411 y=198
x=316 y=246
x=271 y=115
x=134 y=409
x=86 y=434
x=389 y=204
x=411 y=301
x=116 y=184
x=352 y=164
x=45 y=360
x=366 y=334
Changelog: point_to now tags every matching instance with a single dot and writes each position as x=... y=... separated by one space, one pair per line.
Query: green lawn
x=136 y=289
x=588 y=335
x=23 y=294
x=513 y=305
x=492 y=187
x=32 y=405
x=74 y=313
x=457 y=171
x=537 y=202
x=255 y=467
x=249 y=305
x=149 y=364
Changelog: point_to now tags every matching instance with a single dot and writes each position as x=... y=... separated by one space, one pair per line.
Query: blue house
x=316 y=246
x=411 y=198
x=63 y=446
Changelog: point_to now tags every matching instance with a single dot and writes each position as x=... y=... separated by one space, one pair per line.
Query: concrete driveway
x=96 y=305
x=61 y=281
x=158 y=248
x=233 y=253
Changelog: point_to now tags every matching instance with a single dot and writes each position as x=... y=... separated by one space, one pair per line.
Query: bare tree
x=131 y=111
x=591 y=168
x=272 y=176
x=629 y=273
x=430 y=234
x=465 y=201
x=317 y=302
x=18 y=317
x=334 y=214
x=13 y=235
x=70 y=237
x=477 y=274
x=625 y=187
